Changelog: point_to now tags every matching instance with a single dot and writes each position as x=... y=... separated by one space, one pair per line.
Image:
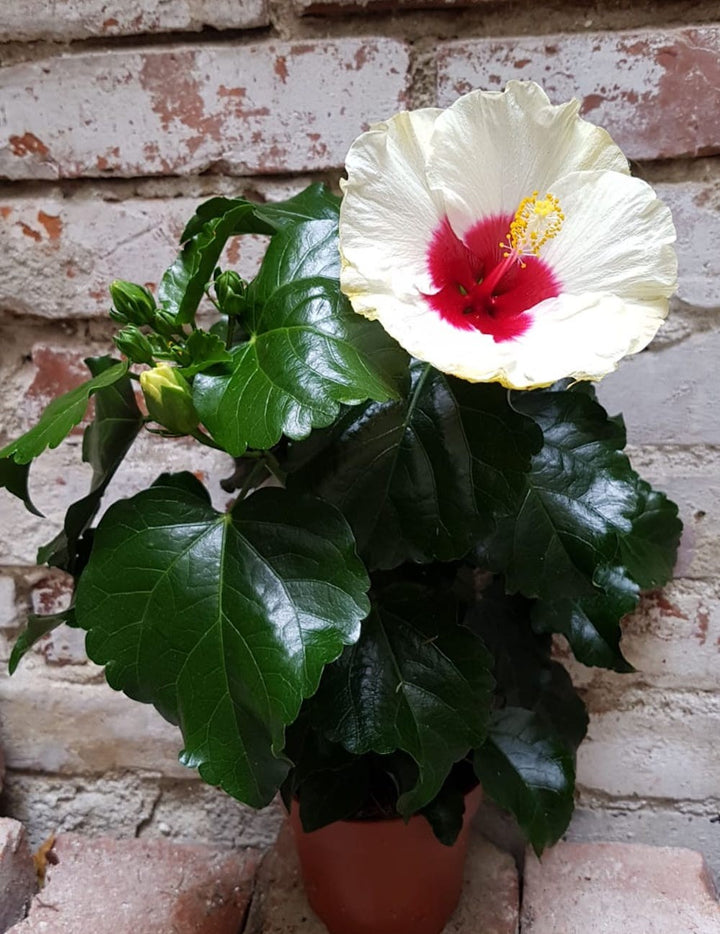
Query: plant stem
x=206 y=440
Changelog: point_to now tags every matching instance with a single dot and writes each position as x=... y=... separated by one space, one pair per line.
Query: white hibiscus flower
x=503 y=239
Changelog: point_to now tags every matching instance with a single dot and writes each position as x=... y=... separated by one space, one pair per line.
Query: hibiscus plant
x=426 y=491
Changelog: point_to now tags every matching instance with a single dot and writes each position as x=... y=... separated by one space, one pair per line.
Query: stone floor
x=105 y=886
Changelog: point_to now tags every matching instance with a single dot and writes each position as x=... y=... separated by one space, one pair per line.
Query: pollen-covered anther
x=536 y=221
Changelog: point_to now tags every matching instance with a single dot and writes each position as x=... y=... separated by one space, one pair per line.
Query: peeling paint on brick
x=657 y=92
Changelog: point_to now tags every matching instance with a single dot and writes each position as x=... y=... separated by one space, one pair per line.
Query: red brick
x=183 y=109
x=17 y=872
x=614 y=888
x=109 y=886
x=489 y=902
x=37 y=19
x=657 y=92
x=67 y=275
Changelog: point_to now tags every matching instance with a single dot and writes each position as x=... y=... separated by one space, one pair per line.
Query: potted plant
x=426 y=490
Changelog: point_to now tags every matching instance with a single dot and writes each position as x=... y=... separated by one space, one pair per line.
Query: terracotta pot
x=385 y=876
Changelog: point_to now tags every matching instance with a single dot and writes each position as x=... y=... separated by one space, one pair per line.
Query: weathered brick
x=656 y=91
x=17 y=872
x=672 y=824
x=36 y=19
x=668 y=396
x=138 y=804
x=672 y=640
x=8 y=610
x=123 y=886
x=696 y=211
x=612 y=888
x=183 y=110
x=59 y=477
x=61 y=254
x=665 y=746
x=691 y=477
x=63 y=645
x=59 y=727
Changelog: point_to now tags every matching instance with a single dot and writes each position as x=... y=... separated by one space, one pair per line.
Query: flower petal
x=388 y=213
x=616 y=237
x=491 y=149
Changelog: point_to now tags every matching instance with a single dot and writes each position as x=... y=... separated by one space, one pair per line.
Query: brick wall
x=115 y=122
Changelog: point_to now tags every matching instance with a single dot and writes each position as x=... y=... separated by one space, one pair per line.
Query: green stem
x=230 y=332
x=206 y=440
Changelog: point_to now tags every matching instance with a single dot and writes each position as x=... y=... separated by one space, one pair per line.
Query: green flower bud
x=134 y=302
x=231 y=292
x=165 y=323
x=133 y=343
x=169 y=399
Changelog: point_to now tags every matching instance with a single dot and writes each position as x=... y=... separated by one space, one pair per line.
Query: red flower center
x=481 y=288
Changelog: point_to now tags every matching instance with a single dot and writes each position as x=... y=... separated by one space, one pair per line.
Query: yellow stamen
x=536 y=221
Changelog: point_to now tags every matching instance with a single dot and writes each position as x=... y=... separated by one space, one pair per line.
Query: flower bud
x=231 y=291
x=134 y=302
x=133 y=343
x=165 y=323
x=169 y=399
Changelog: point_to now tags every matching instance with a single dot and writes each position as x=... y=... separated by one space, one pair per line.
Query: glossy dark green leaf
x=60 y=417
x=591 y=624
x=316 y=202
x=37 y=627
x=106 y=441
x=334 y=794
x=436 y=466
x=579 y=499
x=525 y=673
x=183 y=285
x=14 y=477
x=222 y=621
x=649 y=552
x=415 y=681
x=445 y=813
x=528 y=771
x=202 y=350
x=308 y=352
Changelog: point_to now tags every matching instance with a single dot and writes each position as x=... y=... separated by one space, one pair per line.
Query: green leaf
x=591 y=624
x=60 y=417
x=307 y=354
x=579 y=499
x=14 y=477
x=183 y=285
x=525 y=674
x=203 y=350
x=525 y=769
x=649 y=552
x=222 y=621
x=316 y=202
x=415 y=681
x=37 y=627
x=436 y=466
x=106 y=441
